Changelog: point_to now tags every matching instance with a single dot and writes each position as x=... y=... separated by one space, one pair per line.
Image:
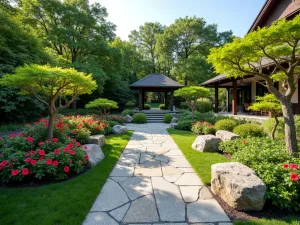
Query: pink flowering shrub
x=203 y=128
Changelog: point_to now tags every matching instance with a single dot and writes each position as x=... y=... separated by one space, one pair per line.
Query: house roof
x=214 y=79
x=155 y=80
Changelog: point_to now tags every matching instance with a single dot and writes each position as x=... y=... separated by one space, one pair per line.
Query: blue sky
x=235 y=15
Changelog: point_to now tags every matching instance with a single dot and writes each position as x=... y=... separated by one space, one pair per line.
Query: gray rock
x=206 y=211
x=225 y=135
x=128 y=119
x=98 y=139
x=99 y=218
x=238 y=185
x=173 y=125
x=136 y=187
x=119 y=213
x=111 y=197
x=119 y=129
x=95 y=154
x=170 y=205
x=142 y=210
x=174 y=120
x=205 y=194
x=206 y=143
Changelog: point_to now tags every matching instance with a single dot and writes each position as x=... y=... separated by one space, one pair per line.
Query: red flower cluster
x=294 y=176
x=30 y=139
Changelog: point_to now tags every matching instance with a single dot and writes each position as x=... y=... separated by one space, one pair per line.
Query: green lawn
x=63 y=203
x=200 y=161
x=154 y=105
x=283 y=221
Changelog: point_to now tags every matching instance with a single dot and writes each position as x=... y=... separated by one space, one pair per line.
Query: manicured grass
x=283 y=221
x=154 y=105
x=200 y=161
x=65 y=203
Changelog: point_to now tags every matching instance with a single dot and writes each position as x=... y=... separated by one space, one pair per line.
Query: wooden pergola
x=156 y=83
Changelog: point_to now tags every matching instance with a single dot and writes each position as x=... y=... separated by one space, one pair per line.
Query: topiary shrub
x=162 y=106
x=204 y=106
x=226 y=124
x=127 y=112
x=139 y=118
x=131 y=104
x=168 y=118
x=248 y=129
x=147 y=106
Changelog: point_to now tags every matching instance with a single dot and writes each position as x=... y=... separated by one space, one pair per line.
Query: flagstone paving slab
x=154 y=184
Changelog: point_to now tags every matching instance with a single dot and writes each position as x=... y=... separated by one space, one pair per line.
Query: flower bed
x=272 y=163
x=203 y=128
x=29 y=155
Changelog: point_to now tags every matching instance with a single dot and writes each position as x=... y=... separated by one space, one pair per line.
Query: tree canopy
x=272 y=54
x=191 y=94
x=103 y=104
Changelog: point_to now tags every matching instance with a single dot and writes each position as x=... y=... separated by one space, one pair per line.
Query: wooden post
x=216 y=98
x=140 y=99
x=166 y=99
x=227 y=99
x=171 y=100
x=143 y=99
x=234 y=98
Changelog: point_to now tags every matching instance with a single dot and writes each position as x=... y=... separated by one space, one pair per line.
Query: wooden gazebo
x=155 y=83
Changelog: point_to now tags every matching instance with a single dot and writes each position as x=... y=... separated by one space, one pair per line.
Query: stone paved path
x=154 y=184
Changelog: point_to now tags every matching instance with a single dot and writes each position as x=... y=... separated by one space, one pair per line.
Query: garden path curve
x=154 y=184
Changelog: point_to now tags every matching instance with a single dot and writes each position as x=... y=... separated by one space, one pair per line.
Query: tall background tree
x=279 y=45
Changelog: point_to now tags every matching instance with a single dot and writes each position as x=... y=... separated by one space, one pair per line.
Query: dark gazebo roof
x=153 y=81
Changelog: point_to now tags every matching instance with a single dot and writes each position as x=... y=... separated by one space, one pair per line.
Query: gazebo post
x=216 y=98
x=234 y=97
x=166 y=99
x=171 y=100
x=143 y=99
x=140 y=99
x=227 y=99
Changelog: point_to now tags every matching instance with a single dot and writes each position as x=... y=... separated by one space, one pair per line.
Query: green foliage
x=168 y=118
x=147 y=106
x=203 y=128
x=248 y=129
x=185 y=124
x=204 y=106
x=183 y=105
x=102 y=104
x=139 y=118
x=72 y=112
x=226 y=124
x=127 y=112
x=272 y=164
x=162 y=106
x=269 y=125
x=287 y=220
x=268 y=102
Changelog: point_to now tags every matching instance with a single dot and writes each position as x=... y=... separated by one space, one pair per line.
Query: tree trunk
x=193 y=114
x=74 y=104
x=51 y=125
x=275 y=126
x=289 y=128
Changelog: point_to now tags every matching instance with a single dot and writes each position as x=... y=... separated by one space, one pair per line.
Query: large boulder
x=119 y=129
x=174 y=120
x=173 y=125
x=225 y=135
x=206 y=143
x=128 y=119
x=95 y=153
x=238 y=186
x=98 y=139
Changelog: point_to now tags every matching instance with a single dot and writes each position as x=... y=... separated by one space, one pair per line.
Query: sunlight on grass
x=283 y=221
x=65 y=203
x=200 y=161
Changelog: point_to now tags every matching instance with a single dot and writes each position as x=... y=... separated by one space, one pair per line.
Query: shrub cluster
x=139 y=118
x=147 y=106
x=203 y=128
x=226 y=124
x=126 y=112
x=204 y=106
x=168 y=118
x=269 y=159
x=162 y=106
x=248 y=129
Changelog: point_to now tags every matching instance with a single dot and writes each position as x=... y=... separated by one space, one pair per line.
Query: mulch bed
x=269 y=212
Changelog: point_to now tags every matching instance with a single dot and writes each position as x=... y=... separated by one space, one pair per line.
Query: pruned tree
x=272 y=54
x=191 y=95
x=48 y=84
x=102 y=104
x=271 y=104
